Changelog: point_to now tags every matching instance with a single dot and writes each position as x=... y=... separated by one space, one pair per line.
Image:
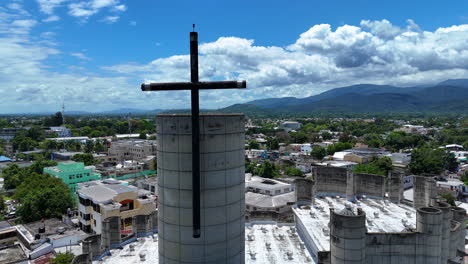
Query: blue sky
x=93 y=54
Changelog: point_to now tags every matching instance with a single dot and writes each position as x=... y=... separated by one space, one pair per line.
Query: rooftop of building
x=103 y=191
x=267 y=201
x=12 y=254
x=265 y=243
x=67 y=166
x=50 y=227
x=265 y=184
x=382 y=217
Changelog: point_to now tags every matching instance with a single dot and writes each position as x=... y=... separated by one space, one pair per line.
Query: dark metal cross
x=194 y=86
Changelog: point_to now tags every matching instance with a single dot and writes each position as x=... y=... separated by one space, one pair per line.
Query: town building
x=64 y=155
x=9 y=133
x=132 y=149
x=112 y=203
x=77 y=139
x=268 y=199
x=72 y=173
x=291 y=125
x=59 y=131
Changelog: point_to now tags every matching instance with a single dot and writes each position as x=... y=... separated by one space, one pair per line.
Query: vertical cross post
x=195 y=136
x=194 y=86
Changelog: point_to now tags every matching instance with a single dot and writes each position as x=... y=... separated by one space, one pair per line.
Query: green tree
x=63 y=258
x=299 y=137
x=318 y=152
x=464 y=177
x=340 y=146
x=326 y=136
x=272 y=143
x=254 y=145
x=291 y=171
x=2 y=203
x=449 y=197
x=427 y=160
x=380 y=166
x=142 y=136
x=42 y=196
x=86 y=158
x=12 y=176
x=38 y=166
x=54 y=120
x=450 y=162
x=267 y=170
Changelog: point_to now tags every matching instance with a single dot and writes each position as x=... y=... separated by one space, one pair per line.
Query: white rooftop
x=266 y=243
x=382 y=216
x=268 y=201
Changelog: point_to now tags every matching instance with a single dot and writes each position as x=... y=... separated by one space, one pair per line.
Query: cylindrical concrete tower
x=222 y=189
x=348 y=237
x=446 y=225
x=429 y=226
x=459 y=215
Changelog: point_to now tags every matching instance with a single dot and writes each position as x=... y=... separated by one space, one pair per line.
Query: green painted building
x=72 y=173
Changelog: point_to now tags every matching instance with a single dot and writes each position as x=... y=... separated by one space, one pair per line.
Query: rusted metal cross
x=194 y=86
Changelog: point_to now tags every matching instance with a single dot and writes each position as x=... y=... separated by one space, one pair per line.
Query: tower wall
x=304 y=191
x=430 y=228
x=348 y=238
x=222 y=189
x=446 y=225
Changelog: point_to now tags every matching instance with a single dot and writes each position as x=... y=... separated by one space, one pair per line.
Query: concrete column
x=446 y=218
x=419 y=191
x=154 y=220
x=395 y=186
x=429 y=226
x=110 y=235
x=303 y=191
x=459 y=215
x=350 y=185
x=222 y=188
x=91 y=246
x=348 y=237
x=141 y=225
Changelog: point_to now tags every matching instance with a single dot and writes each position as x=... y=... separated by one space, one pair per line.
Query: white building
x=291 y=125
x=306 y=148
x=99 y=200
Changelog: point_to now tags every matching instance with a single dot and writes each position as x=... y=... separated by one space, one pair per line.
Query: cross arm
x=193 y=85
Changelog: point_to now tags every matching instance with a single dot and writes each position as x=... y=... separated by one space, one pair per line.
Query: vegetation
x=449 y=197
x=291 y=171
x=63 y=258
x=42 y=196
x=253 y=145
x=13 y=175
x=318 y=153
x=426 y=160
x=267 y=170
x=86 y=158
x=380 y=166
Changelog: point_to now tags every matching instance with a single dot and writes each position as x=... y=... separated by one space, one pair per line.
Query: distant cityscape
x=85 y=186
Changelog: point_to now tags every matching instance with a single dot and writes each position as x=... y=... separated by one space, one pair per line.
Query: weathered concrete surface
x=222 y=189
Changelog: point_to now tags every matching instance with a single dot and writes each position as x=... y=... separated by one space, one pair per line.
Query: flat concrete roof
x=100 y=193
x=267 y=201
x=382 y=217
x=283 y=241
x=12 y=254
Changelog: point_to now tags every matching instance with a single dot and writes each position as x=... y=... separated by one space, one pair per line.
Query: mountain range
x=447 y=96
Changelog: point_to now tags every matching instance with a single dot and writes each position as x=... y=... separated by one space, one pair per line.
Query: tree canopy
x=267 y=170
x=86 y=158
x=425 y=160
x=380 y=166
x=42 y=196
